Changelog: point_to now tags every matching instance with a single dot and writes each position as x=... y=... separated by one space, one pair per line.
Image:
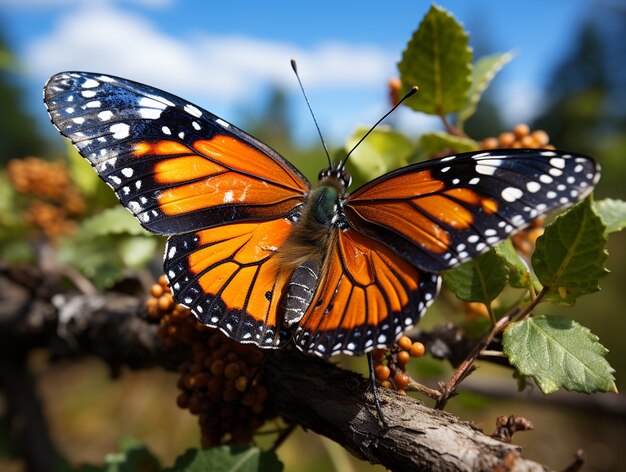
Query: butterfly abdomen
x=300 y=291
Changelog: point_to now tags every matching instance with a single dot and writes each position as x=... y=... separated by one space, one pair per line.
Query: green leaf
x=106 y=245
x=478 y=280
x=137 y=251
x=520 y=275
x=438 y=60
x=613 y=214
x=227 y=459
x=558 y=353
x=82 y=173
x=483 y=72
x=116 y=220
x=137 y=458
x=437 y=142
x=383 y=150
x=569 y=256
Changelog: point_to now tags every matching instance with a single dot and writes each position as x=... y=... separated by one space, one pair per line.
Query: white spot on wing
x=105 y=115
x=120 y=130
x=90 y=83
x=228 y=196
x=511 y=194
x=193 y=111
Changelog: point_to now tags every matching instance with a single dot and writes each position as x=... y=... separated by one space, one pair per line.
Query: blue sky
x=224 y=55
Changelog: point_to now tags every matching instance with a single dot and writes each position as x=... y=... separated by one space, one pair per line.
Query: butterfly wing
x=176 y=167
x=368 y=297
x=229 y=278
x=227 y=200
x=440 y=213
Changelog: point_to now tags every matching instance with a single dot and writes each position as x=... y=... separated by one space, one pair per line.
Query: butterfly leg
x=379 y=410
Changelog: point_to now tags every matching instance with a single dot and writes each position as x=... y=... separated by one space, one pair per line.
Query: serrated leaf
x=437 y=142
x=478 y=280
x=227 y=459
x=612 y=213
x=483 y=72
x=438 y=60
x=382 y=151
x=569 y=256
x=558 y=353
x=520 y=275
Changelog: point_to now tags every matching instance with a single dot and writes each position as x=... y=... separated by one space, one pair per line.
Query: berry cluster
x=390 y=365
x=221 y=383
x=520 y=137
x=54 y=200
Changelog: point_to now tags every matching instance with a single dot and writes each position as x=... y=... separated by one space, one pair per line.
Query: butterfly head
x=339 y=175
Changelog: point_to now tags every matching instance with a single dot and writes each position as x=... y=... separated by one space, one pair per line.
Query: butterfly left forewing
x=175 y=166
x=368 y=296
x=440 y=213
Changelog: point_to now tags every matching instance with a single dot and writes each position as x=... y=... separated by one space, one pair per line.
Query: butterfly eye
x=324 y=173
x=346 y=178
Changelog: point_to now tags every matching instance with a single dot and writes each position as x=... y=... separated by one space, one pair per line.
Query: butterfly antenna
x=308 y=104
x=411 y=91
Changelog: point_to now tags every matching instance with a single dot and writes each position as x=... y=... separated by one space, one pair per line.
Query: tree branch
x=313 y=393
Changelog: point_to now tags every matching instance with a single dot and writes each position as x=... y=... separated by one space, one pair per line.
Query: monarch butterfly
x=258 y=252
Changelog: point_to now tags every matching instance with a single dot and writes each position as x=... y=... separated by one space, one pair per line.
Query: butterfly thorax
x=304 y=255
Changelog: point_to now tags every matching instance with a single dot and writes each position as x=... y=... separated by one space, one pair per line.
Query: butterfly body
x=256 y=251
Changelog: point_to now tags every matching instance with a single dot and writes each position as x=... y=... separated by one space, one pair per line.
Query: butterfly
x=258 y=252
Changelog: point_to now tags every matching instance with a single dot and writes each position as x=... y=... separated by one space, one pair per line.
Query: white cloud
x=101 y=38
x=24 y=4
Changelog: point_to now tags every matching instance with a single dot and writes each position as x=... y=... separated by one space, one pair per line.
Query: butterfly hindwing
x=369 y=295
x=439 y=213
x=228 y=276
x=175 y=166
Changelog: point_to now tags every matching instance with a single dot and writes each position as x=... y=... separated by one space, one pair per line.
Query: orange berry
x=417 y=349
x=217 y=367
x=506 y=139
x=404 y=357
x=232 y=371
x=489 y=143
x=405 y=343
x=386 y=384
x=401 y=380
x=528 y=142
x=521 y=130
x=241 y=383
x=156 y=290
x=382 y=372
x=182 y=400
x=541 y=137
x=379 y=354
x=166 y=302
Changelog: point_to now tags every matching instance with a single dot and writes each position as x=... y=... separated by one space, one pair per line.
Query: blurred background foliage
x=586 y=112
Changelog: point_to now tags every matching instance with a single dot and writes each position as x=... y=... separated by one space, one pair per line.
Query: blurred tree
x=18 y=136
x=587 y=99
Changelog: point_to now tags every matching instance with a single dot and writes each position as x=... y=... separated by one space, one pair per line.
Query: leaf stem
x=466 y=366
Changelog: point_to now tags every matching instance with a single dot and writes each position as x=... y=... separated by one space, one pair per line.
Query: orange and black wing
x=227 y=200
x=176 y=167
x=368 y=296
x=230 y=280
x=440 y=213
